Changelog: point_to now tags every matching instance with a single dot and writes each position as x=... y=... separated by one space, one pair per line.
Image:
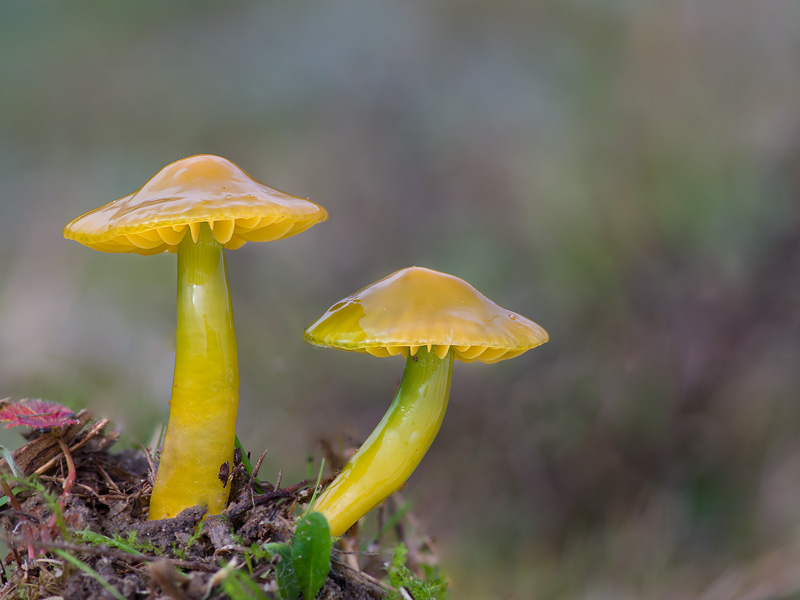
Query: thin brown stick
x=168 y=579
x=151 y=466
x=256 y=468
x=376 y=585
x=109 y=482
x=257 y=499
x=92 y=493
x=97 y=428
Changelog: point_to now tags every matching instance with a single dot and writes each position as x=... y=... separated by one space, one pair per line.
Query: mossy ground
x=96 y=541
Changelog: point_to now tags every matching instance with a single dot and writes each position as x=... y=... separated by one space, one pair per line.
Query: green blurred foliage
x=623 y=173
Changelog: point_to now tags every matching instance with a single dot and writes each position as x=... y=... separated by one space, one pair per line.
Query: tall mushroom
x=430 y=318
x=197 y=207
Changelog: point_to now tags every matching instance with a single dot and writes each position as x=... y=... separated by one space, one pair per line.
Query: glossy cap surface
x=185 y=194
x=418 y=307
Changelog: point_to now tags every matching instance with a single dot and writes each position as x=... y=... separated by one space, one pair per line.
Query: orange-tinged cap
x=185 y=194
x=418 y=307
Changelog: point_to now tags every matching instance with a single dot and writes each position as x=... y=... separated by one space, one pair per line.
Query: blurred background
x=624 y=173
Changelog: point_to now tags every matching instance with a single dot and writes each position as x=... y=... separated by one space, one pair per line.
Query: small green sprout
x=432 y=587
x=180 y=551
x=129 y=543
x=302 y=566
x=238 y=586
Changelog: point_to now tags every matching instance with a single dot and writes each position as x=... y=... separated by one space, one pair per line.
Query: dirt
x=183 y=558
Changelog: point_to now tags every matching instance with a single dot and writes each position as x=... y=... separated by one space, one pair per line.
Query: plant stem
x=57 y=519
x=26 y=528
x=70 y=479
x=205 y=391
x=395 y=447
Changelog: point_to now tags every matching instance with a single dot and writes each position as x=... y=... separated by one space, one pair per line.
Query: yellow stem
x=395 y=447
x=205 y=391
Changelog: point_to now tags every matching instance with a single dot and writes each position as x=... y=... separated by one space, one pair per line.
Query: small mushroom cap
x=185 y=194
x=418 y=307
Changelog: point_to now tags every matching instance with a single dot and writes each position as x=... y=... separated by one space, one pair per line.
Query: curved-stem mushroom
x=220 y=206
x=431 y=318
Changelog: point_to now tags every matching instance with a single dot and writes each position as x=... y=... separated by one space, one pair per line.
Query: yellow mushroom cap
x=185 y=194
x=418 y=307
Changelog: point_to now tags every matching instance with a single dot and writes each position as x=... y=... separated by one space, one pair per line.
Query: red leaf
x=36 y=413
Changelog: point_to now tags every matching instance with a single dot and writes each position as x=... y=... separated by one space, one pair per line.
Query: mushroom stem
x=205 y=391
x=395 y=447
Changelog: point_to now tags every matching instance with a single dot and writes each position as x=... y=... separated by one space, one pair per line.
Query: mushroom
x=431 y=318
x=197 y=207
